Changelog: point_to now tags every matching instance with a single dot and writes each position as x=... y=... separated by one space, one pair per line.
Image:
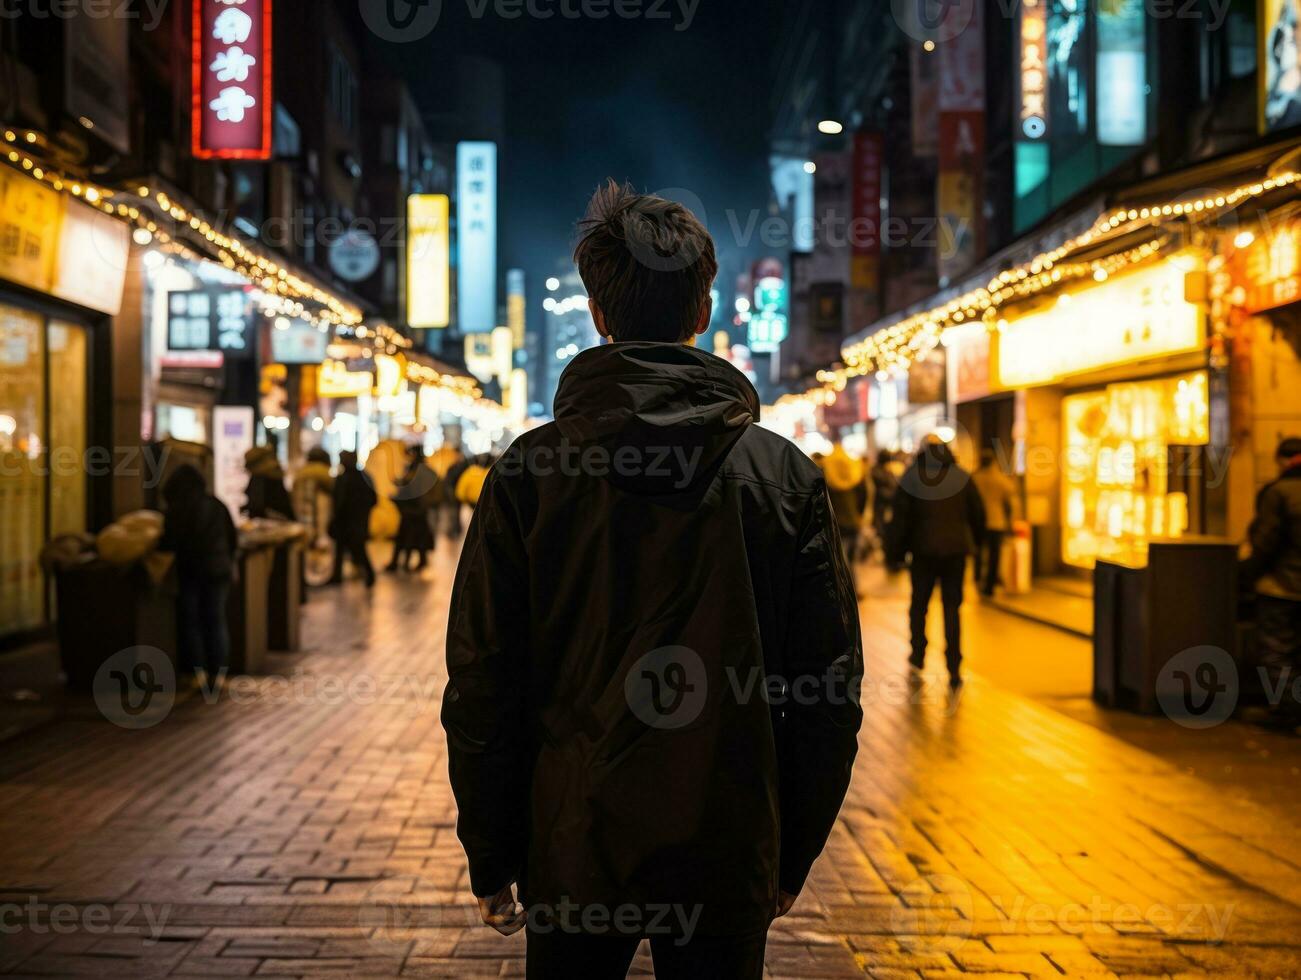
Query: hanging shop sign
x=94 y=75
x=295 y=341
x=354 y=257
x=231 y=96
x=476 y=214
x=30 y=214
x=429 y=287
x=967 y=350
x=515 y=309
x=864 y=271
x=92 y=259
x=1131 y=317
x=1122 y=74
x=961 y=152
x=1280 y=65
x=1033 y=105
x=212 y=319
x=1268 y=270
x=335 y=380
x=233 y=433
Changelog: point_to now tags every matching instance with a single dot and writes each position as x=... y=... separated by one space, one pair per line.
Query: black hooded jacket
x=636 y=575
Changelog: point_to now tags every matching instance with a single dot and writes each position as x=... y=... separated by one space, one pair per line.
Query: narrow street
x=303 y=826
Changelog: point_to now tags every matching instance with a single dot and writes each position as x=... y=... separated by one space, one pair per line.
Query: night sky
x=632 y=99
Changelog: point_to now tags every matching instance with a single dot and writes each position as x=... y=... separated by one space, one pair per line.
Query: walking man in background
x=631 y=568
x=938 y=517
x=354 y=498
x=998 y=495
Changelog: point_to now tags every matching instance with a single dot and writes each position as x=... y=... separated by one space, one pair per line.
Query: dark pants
x=949 y=573
x=988 y=559
x=559 y=955
x=203 y=634
x=1278 y=642
x=354 y=548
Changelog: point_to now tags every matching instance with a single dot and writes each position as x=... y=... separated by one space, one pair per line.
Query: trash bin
x=247 y=609
x=285 y=595
x=104 y=608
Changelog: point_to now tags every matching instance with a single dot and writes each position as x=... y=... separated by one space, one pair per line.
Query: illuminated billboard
x=429 y=279
x=1280 y=61
x=231 y=80
x=476 y=237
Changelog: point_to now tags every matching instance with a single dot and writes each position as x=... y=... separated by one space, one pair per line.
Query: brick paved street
x=304 y=827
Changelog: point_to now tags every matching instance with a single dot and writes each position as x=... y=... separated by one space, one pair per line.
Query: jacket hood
x=841 y=470
x=666 y=414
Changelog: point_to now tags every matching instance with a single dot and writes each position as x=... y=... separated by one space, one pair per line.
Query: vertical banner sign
x=866 y=237
x=1280 y=64
x=476 y=214
x=232 y=437
x=231 y=66
x=1122 y=73
x=1033 y=108
x=515 y=309
x=961 y=154
x=429 y=278
x=921 y=67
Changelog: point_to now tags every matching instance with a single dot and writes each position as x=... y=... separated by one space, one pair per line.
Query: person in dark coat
x=353 y=499
x=266 y=493
x=885 y=484
x=629 y=570
x=1274 y=569
x=415 y=492
x=198 y=530
x=938 y=518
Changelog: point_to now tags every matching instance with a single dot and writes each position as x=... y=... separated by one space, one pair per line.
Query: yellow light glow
x=428 y=261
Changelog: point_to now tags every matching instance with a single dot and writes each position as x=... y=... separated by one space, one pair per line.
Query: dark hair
x=648 y=264
x=185 y=484
x=987 y=457
x=1289 y=448
x=348 y=459
x=935 y=451
x=318 y=455
x=884 y=456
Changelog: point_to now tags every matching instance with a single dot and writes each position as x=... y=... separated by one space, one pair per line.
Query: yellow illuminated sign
x=336 y=381
x=428 y=261
x=1131 y=317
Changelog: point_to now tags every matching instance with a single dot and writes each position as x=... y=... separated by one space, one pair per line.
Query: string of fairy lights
x=284 y=295
x=891 y=350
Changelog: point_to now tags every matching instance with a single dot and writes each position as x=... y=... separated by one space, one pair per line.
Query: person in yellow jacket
x=470 y=483
x=847 y=487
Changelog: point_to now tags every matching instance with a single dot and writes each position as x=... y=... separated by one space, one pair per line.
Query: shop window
x=22 y=485
x=67 y=347
x=1118 y=488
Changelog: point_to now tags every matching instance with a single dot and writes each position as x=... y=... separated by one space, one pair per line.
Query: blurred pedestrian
x=266 y=493
x=625 y=561
x=998 y=495
x=1275 y=570
x=884 y=477
x=847 y=486
x=469 y=485
x=312 y=488
x=354 y=498
x=416 y=492
x=448 y=463
x=198 y=530
x=938 y=517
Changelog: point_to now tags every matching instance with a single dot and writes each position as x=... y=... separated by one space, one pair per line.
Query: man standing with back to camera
x=653 y=648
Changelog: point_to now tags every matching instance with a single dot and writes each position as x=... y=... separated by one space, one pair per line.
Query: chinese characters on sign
x=1034 y=70
x=232 y=79
x=476 y=182
x=1269 y=269
x=30 y=214
x=211 y=319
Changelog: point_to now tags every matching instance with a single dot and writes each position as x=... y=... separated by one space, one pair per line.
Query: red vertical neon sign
x=231 y=93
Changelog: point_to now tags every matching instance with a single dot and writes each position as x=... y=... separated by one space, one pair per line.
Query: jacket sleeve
x=818 y=728
x=483 y=707
x=1268 y=530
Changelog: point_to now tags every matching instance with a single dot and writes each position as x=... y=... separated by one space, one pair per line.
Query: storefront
x=61 y=276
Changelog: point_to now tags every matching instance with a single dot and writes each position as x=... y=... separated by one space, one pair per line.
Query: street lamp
x=831 y=127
